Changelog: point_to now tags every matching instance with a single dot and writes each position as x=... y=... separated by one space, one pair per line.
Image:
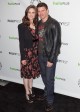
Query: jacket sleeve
x=56 y=37
x=21 y=41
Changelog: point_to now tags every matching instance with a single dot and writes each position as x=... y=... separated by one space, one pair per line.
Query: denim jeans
x=47 y=74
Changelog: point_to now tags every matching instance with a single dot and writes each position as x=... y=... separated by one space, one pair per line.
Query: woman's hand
x=23 y=62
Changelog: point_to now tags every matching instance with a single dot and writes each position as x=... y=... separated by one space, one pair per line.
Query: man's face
x=42 y=12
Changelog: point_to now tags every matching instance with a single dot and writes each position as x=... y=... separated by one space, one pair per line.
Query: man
x=49 y=32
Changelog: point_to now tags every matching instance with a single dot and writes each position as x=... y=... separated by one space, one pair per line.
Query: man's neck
x=45 y=19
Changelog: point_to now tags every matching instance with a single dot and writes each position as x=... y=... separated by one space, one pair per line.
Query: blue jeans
x=47 y=74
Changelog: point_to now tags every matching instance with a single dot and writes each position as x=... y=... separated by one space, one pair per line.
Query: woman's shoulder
x=21 y=25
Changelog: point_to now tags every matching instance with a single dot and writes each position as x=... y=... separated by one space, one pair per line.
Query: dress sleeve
x=21 y=41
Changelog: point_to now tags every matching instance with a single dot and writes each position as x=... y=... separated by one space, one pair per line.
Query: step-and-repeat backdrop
x=67 y=79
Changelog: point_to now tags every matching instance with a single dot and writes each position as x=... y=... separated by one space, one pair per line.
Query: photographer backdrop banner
x=67 y=78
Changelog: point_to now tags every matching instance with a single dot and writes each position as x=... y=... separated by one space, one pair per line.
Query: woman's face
x=31 y=14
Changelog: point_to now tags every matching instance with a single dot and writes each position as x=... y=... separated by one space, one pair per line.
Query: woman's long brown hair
x=25 y=19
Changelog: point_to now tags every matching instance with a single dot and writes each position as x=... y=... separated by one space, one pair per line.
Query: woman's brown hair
x=25 y=19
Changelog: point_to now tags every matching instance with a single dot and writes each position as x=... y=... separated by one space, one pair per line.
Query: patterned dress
x=31 y=69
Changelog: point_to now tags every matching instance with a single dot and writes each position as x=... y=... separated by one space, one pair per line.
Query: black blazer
x=25 y=39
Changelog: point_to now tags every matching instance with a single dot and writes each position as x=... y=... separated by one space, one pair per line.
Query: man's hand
x=49 y=64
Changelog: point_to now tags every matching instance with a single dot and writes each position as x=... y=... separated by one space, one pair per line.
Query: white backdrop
x=67 y=79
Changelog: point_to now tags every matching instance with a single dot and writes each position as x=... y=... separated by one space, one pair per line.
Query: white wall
x=67 y=79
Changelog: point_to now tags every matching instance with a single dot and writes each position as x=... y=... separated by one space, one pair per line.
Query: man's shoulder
x=53 y=20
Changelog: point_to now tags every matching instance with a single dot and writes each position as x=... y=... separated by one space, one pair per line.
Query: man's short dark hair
x=42 y=4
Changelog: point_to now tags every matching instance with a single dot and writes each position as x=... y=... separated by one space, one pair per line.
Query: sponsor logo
x=78 y=63
x=35 y=2
x=14 y=21
x=64 y=44
x=15 y=69
x=62 y=61
x=79 y=82
x=60 y=78
x=61 y=3
x=12 y=53
x=12 y=37
x=64 y=23
x=0 y=51
x=0 y=65
x=13 y=3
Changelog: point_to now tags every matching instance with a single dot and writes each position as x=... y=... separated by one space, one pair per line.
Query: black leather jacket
x=52 y=38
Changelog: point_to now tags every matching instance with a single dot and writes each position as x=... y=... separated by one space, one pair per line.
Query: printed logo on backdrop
x=64 y=23
x=60 y=78
x=13 y=53
x=13 y=21
x=59 y=3
x=13 y=3
x=13 y=38
x=0 y=65
x=79 y=82
x=62 y=61
x=34 y=2
x=14 y=69
x=0 y=51
x=79 y=64
x=63 y=43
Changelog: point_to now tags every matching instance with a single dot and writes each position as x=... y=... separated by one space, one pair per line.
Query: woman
x=28 y=49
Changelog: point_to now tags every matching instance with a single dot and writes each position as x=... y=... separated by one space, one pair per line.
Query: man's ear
x=48 y=11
